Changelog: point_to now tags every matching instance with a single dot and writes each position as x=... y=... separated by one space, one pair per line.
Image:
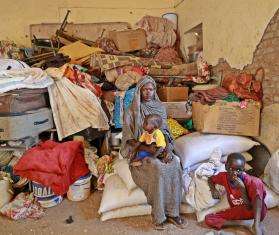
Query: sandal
x=177 y=221
x=161 y=226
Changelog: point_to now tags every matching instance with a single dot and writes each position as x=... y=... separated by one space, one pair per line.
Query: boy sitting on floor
x=245 y=194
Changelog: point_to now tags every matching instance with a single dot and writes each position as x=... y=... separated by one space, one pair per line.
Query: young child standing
x=245 y=194
x=152 y=135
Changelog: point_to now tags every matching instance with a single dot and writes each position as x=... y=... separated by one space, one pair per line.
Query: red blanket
x=56 y=165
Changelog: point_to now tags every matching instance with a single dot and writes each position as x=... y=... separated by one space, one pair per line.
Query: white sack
x=5 y=195
x=272 y=199
x=271 y=172
x=121 y=168
x=127 y=212
x=116 y=195
x=196 y=147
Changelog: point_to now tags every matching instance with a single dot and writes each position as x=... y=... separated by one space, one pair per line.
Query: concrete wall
x=231 y=28
x=17 y=15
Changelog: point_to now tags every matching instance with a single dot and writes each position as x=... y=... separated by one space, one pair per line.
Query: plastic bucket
x=50 y=201
x=172 y=17
x=45 y=195
x=80 y=190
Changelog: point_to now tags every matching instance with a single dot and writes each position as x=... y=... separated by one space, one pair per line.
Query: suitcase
x=28 y=124
x=22 y=100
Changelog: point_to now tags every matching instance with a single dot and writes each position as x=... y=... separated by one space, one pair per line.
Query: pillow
x=176 y=129
x=127 y=212
x=121 y=168
x=196 y=147
x=116 y=195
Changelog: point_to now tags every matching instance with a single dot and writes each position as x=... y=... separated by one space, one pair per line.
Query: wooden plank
x=88 y=31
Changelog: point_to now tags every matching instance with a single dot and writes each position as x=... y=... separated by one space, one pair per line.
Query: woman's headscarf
x=134 y=116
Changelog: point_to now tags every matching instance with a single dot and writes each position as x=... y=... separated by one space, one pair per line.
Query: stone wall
x=266 y=55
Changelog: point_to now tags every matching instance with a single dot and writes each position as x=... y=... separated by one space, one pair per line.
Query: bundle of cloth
x=245 y=86
x=54 y=165
x=209 y=96
x=32 y=78
x=11 y=64
x=159 y=31
x=10 y=50
x=74 y=108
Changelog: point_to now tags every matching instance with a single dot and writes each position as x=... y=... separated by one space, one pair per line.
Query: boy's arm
x=214 y=192
x=243 y=190
x=134 y=147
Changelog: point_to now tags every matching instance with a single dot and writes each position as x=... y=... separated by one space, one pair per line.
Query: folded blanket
x=31 y=78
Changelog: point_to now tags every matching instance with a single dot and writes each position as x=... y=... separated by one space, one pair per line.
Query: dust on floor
x=86 y=221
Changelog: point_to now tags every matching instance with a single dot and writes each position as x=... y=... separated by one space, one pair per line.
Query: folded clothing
x=54 y=165
x=32 y=78
x=169 y=55
x=210 y=96
x=244 y=86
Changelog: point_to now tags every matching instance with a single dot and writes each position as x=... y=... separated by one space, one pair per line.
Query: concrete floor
x=86 y=221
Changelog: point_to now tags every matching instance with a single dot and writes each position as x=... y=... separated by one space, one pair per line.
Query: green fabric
x=188 y=124
x=232 y=98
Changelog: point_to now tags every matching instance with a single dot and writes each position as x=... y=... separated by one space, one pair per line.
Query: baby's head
x=235 y=165
x=152 y=122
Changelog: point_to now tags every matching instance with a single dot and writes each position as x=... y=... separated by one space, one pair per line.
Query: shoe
x=177 y=221
x=161 y=226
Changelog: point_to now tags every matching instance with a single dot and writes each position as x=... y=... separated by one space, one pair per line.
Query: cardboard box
x=128 y=40
x=173 y=94
x=176 y=110
x=29 y=124
x=227 y=118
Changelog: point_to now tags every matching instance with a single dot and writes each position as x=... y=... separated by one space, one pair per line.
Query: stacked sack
x=121 y=196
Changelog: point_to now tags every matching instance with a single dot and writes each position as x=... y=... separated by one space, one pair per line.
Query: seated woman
x=161 y=182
